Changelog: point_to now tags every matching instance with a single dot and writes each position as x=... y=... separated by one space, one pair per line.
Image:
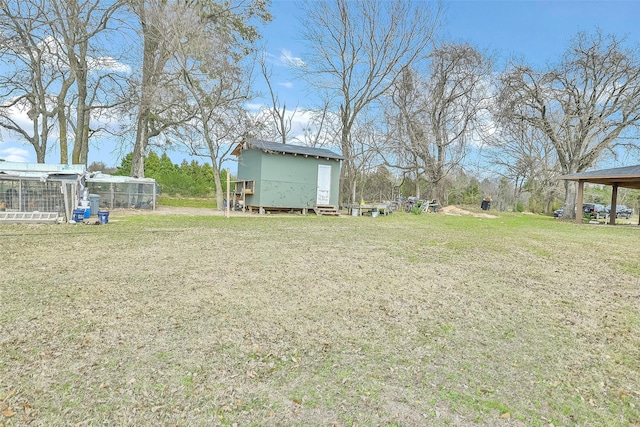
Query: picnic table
x=382 y=208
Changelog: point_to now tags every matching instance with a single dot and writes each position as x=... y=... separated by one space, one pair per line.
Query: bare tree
x=282 y=121
x=321 y=128
x=26 y=105
x=54 y=53
x=437 y=114
x=76 y=26
x=521 y=154
x=158 y=105
x=154 y=79
x=366 y=156
x=584 y=105
x=358 y=48
x=217 y=86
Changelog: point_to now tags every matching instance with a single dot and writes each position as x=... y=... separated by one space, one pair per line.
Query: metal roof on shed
x=278 y=147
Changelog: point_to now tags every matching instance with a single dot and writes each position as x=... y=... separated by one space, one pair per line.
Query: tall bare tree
x=434 y=116
x=320 y=127
x=76 y=25
x=155 y=110
x=27 y=107
x=54 y=51
x=522 y=154
x=584 y=105
x=281 y=121
x=358 y=48
x=217 y=86
x=153 y=79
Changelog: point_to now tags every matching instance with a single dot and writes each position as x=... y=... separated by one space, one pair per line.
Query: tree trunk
x=81 y=143
x=218 y=183
x=150 y=50
x=140 y=148
x=570 y=188
x=40 y=155
x=84 y=149
x=62 y=120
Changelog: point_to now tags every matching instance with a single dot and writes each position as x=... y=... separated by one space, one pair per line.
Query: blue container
x=87 y=212
x=103 y=217
x=78 y=214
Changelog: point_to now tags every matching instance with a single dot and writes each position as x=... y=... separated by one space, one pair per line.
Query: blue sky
x=537 y=31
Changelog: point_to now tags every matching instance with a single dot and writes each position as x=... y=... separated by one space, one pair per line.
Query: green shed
x=275 y=176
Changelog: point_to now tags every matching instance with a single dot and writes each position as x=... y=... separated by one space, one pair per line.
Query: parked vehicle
x=622 y=211
x=594 y=210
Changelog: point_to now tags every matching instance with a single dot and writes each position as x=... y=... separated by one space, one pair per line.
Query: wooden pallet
x=28 y=217
x=326 y=210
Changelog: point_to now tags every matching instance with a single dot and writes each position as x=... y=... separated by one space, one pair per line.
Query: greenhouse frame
x=35 y=192
x=123 y=191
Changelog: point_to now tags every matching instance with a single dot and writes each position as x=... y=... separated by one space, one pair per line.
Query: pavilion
x=626 y=177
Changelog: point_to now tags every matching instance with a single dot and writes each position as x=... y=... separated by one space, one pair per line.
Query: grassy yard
x=287 y=320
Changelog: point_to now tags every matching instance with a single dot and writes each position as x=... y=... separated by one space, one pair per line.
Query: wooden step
x=330 y=210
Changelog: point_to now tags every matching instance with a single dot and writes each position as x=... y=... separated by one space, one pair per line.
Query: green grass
x=305 y=320
x=186 y=202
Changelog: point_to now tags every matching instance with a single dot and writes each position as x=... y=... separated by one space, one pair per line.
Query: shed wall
x=284 y=180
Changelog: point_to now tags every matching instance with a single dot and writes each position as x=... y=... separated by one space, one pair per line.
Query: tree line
x=401 y=103
x=187 y=179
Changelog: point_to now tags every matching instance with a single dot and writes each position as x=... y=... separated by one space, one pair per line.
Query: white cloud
x=287 y=58
x=254 y=106
x=288 y=85
x=107 y=63
x=15 y=154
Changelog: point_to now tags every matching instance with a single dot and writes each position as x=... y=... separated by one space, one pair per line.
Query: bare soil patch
x=454 y=210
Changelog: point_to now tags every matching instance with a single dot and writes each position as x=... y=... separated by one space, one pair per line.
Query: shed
x=627 y=177
x=276 y=176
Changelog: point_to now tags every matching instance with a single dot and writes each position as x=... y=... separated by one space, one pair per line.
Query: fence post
x=228 y=193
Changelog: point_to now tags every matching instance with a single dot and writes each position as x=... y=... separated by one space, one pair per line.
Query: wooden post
x=579 y=202
x=613 y=212
x=66 y=201
x=228 y=193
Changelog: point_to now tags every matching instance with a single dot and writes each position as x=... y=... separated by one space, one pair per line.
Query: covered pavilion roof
x=627 y=177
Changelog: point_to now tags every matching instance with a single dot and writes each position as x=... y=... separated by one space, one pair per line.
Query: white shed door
x=324 y=184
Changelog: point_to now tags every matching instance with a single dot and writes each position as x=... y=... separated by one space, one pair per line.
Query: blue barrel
x=103 y=216
x=78 y=214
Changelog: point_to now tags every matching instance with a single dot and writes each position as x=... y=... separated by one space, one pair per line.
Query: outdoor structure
x=275 y=176
x=32 y=192
x=122 y=191
x=626 y=177
x=40 y=192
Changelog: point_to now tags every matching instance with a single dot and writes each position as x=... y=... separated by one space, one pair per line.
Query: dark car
x=622 y=211
x=594 y=210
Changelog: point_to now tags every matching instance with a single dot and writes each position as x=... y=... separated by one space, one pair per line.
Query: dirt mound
x=454 y=210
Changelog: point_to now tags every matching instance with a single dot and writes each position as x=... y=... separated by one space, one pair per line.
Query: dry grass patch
x=402 y=320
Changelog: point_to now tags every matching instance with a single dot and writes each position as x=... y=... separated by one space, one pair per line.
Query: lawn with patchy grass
x=288 y=320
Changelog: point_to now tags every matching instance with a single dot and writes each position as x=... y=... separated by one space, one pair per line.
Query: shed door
x=324 y=184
